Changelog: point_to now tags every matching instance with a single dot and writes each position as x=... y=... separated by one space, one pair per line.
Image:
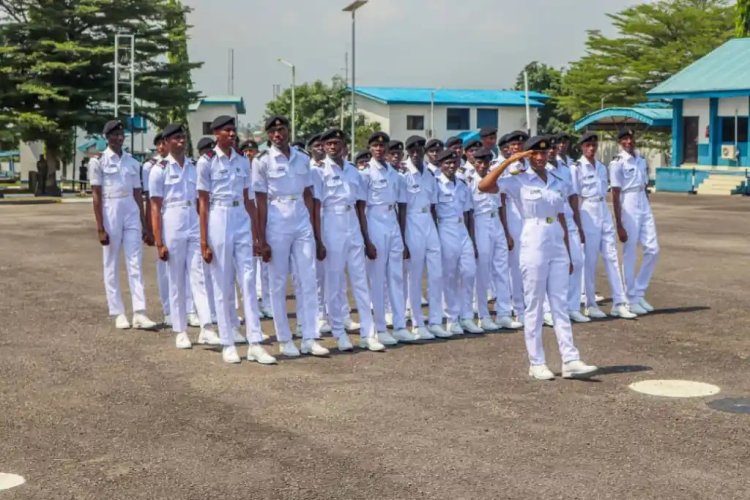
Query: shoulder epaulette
x=262 y=154
x=577 y=163
x=462 y=180
x=554 y=175
x=209 y=154
x=163 y=163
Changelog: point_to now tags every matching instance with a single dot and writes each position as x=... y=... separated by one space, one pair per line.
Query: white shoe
x=423 y=302
x=182 y=341
x=371 y=344
x=264 y=336
x=142 y=322
x=636 y=308
x=469 y=326
x=229 y=354
x=595 y=313
x=598 y=298
x=577 y=369
x=548 y=319
x=343 y=342
x=208 y=336
x=265 y=312
x=488 y=325
x=193 y=320
x=455 y=328
x=404 y=335
x=324 y=327
x=288 y=349
x=385 y=338
x=508 y=323
x=167 y=320
x=311 y=346
x=350 y=325
x=121 y=322
x=437 y=330
x=648 y=307
x=298 y=331
x=578 y=317
x=389 y=320
x=621 y=311
x=256 y=352
x=422 y=333
x=541 y=372
x=238 y=337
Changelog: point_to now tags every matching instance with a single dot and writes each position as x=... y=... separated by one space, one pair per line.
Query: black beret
x=503 y=140
x=447 y=154
x=483 y=154
x=434 y=143
x=552 y=138
x=298 y=145
x=588 y=137
x=473 y=143
x=158 y=138
x=333 y=133
x=204 y=143
x=111 y=126
x=362 y=155
x=452 y=141
x=537 y=143
x=248 y=144
x=312 y=140
x=487 y=131
x=415 y=140
x=172 y=129
x=378 y=137
x=222 y=121
x=517 y=136
x=625 y=132
x=562 y=136
x=276 y=121
x=395 y=145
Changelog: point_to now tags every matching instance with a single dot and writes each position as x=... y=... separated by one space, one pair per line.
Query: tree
x=547 y=80
x=654 y=41
x=742 y=27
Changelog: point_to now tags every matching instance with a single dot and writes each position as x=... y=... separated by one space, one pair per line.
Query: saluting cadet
x=432 y=148
x=177 y=235
x=287 y=234
x=544 y=257
x=162 y=280
x=492 y=241
x=228 y=230
x=424 y=243
x=459 y=251
x=590 y=180
x=116 y=189
x=628 y=176
x=384 y=189
x=488 y=137
x=362 y=160
x=340 y=197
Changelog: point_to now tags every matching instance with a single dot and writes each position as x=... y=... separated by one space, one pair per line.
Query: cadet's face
x=161 y=148
x=177 y=144
x=432 y=154
x=551 y=154
x=538 y=159
x=416 y=154
x=628 y=143
x=396 y=157
x=362 y=164
x=489 y=141
x=279 y=136
x=334 y=148
x=482 y=166
x=589 y=148
x=470 y=155
x=116 y=139
x=514 y=147
x=251 y=153
x=505 y=150
x=204 y=151
x=448 y=167
x=318 y=151
x=377 y=150
x=562 y=147
x=226 y=136
x=458 y=149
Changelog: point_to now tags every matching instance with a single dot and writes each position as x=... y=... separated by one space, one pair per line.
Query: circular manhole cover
x=8 y=481
x=731 y=405
x=675 y=388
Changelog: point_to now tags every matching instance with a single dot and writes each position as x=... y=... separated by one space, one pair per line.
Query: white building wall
x=374 y=111
x=207 y=113
x=729 y=105
x=699 y=108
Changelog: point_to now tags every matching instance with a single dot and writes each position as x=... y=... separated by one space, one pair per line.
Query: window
x=207 y=128
x=487 y=118
x=414 y=122
x=457 y=118
x=727 y=129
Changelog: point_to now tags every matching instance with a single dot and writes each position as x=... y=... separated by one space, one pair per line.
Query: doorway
x=690 y=142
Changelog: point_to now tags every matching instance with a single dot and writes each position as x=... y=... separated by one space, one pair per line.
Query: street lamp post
x=352 y=7
x=432 y=112
x=294 y=84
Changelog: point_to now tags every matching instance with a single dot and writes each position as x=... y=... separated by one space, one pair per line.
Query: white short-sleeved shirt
x=420 y=188
x=454 y=198
x=383 y=185
x=563 y=172
x=117 y=175
x=483 y=202
x=146 y=170
x=434 y=169
x=223 y=176
x=589 y=180
x=628 y=172
x=337 y=186
x=173 y=183
x=466 y=170
x=534 y=197
x=279 y=176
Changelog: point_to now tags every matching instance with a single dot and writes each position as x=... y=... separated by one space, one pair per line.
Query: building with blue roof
x=405 y=111
x=203 y=112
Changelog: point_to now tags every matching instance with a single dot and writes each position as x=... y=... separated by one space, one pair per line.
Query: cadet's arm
x=573 y=200
x=561 y=220
x=469 y=221
x=252 y=211
x=488 y=184
x=203 y=200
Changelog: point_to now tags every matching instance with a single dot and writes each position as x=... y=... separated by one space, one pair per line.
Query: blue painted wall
x=714 y=134
x=704 y=155
x=677 y=133
x=678 y=180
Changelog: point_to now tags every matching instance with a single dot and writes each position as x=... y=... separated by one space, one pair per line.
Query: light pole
x=294 y=84
x=352 y=7
x=432 y=112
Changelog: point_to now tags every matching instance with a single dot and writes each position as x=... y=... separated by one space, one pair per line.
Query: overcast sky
x=415 y=43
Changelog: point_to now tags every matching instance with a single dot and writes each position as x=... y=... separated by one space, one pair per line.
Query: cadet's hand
x=163 y=252
x=570 y=268
x=407 y=255
x=207 y=254
x=103 y=237
x=265 y=252
x=320 y=250
x=476 y=252
x=582 y=235
x=256 y=249
x=510 y=241
x=148 y=238
x=370 y=251
x=622 y=234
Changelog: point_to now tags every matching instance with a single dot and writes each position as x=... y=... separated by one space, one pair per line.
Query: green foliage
x=547 y=80
x=742 y=21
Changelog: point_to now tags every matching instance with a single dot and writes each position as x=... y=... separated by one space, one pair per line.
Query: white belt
x=116 y=194
x=491 y=214
x=539 y=220
x=178 y=203
x=449 y=220
x=291 y=198
x=423 y=210
x=381 y=208
x=225 y=203
x=338 y=209
x=632 y=190
x=593 y=198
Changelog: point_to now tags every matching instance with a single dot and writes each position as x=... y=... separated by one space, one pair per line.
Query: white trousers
x=122 y=221
x=459 y=269
x=515 y=228
x=423 y=242
x=577 y=259
x=600 y=240
x=345 y=252
x=638 y=221
x=387 y=268
x=162 y=283
x=544 y=268
x=261 y=282
x=230 y=240
x=492 y=264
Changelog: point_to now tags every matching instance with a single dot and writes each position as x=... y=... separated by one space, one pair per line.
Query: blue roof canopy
x=235 y=101
x=611 y=118
x=448 y=97
x=724 y=72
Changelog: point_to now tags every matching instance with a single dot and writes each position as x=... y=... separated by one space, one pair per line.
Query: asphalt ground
x=87 y=411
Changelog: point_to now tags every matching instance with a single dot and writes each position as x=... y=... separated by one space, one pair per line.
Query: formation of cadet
x=513 y=222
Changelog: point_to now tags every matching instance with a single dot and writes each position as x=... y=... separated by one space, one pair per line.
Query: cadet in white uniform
x=488 y=138
x=589 y=178
x=228 y=230
x=283 y=185
x=341 y=199
x=628 y=176
x=317 y=156
x=174 y=219
x=424 y=242
x=432 y=149
x=459 y=251
x=116 y=189
x=544 y=257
